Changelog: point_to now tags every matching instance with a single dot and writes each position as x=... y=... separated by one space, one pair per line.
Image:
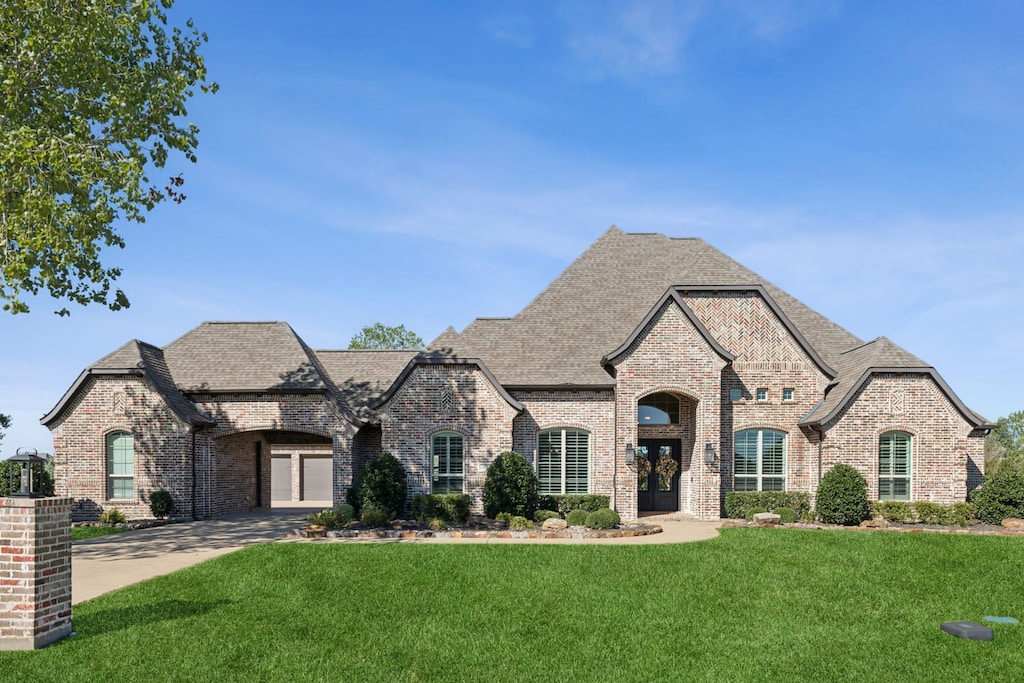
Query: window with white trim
x=563 y=461
x=894 y=454
x=448 y=462
x=120 y=466
x=759 y=460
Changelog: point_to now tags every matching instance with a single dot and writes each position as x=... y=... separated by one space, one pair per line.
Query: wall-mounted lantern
x=710 y=457
x=26 y=458
x=630 y=457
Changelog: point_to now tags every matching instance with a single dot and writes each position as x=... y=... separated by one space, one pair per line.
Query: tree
x=380 y=336
x=1004 y=445
x=92 y=100
x=5 y=423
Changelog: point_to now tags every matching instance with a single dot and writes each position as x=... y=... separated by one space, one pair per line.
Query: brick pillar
x=35 y=572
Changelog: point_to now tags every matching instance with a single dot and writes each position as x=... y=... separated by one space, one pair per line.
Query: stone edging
x=416 y=534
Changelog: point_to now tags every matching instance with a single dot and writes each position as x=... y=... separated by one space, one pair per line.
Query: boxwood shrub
x=843 y=496
x=739 y=503
x=383 y=484
x=566 y=503
x=541 y=515
x=577 y=517
x=786 y=515
x=452 y=508
x=161 y=503
x=606 y=518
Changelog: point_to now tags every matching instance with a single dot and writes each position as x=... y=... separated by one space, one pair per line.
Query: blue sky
x=424 y=163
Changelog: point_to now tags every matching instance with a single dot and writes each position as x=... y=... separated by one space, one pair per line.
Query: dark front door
x=656 y=492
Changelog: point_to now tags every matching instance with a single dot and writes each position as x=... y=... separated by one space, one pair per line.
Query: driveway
x=100 y=565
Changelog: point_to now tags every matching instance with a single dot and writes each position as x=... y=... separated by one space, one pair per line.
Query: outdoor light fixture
x=630 y=457
x=26 y=458
x=710 y=458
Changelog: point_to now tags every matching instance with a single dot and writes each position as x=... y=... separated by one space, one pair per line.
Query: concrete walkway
x=106 y=563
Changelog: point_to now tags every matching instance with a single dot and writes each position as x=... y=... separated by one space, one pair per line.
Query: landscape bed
x=753 y=604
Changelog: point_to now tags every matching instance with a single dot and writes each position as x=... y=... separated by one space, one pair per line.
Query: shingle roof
x=362 y=376
x=601 y=298
x=242 y=357
x=138 y=358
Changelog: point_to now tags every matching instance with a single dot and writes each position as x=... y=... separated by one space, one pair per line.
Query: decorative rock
x=874 y=524
x=766 y=519
x=968 y=630
x=554 y=523
x=1014 y=523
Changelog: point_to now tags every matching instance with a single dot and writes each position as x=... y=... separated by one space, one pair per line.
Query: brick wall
x=944 y=448
x=437 y=398
x=35 y=572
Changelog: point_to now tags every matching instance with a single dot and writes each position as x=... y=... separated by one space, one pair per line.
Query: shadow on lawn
x=119 y=618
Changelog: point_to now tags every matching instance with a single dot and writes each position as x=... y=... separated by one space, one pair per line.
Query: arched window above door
x=661 y=408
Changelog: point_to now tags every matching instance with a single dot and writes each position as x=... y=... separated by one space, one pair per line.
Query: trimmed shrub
x=333 y=518
x=786 y=515
x=577 y=517
x=894 y=511
x=738 y=503
x=452 y=508
x=438 y=524
x=754 y=511
x=542 y=515
x=42 y=480
x=161 y=504
x=373 y=516
x=843 y=497
x=566 y=503
x=928 y=512
x=606 y=518
x=1000 y=497
x=383 y=484
x=519 y=523
x=961 y=514
x=352 y=498
x=113 y=516
x=511 y=486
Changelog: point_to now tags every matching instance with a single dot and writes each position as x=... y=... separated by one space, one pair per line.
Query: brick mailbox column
x=35 y=572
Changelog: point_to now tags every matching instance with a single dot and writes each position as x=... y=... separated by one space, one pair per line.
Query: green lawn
x=79 y=533
x=754 y=604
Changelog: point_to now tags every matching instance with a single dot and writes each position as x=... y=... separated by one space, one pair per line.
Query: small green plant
x=373 y=516
x=161 y=504
x=383 y=484
x=1001 y=496
x=786 y=515
x=577 y=517
x=843 y=496
x=543 y=515
x=504 y=517
x=438 y=524
x=928 y=512
x=511 y=486
x=113 y=516
x=566 y=503
x=961 y=513
x=518 y=523
x=893 y=511
x=333 y=518
x=751 y=511
x=605 y=518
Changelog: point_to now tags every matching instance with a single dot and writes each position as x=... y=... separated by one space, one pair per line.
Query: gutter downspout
x=193 y=459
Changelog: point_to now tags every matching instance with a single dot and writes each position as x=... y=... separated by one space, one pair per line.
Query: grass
x=753 y=604
x=79 y=533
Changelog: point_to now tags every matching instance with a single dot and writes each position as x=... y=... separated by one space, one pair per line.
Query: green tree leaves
x=92 y=97
x=380 y=336
x=1004 y=446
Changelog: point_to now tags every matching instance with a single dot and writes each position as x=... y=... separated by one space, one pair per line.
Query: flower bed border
x=418 y=534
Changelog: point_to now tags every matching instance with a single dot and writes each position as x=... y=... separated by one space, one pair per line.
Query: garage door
x=280 y=479
x=316 y=478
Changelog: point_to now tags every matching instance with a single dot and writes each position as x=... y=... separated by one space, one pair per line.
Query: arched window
x=658 y=409
x=563 y=461
x=894 y=451
x=120 y=466
x=759 y=462
x=448 y=457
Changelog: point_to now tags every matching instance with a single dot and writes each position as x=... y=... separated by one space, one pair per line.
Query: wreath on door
x=643 y=468
x=666 y=468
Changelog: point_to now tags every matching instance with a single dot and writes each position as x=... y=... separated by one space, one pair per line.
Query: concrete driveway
x=100 y=565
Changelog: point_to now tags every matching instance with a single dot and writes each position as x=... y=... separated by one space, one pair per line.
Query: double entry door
x=655 y=492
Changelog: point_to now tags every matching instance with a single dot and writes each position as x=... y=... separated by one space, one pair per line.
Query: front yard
x=753 y=604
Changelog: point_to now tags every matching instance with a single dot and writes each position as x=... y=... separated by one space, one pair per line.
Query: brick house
x=645 y=349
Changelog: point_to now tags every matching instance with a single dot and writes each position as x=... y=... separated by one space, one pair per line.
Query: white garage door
x=316 y=478
x=281 y=479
